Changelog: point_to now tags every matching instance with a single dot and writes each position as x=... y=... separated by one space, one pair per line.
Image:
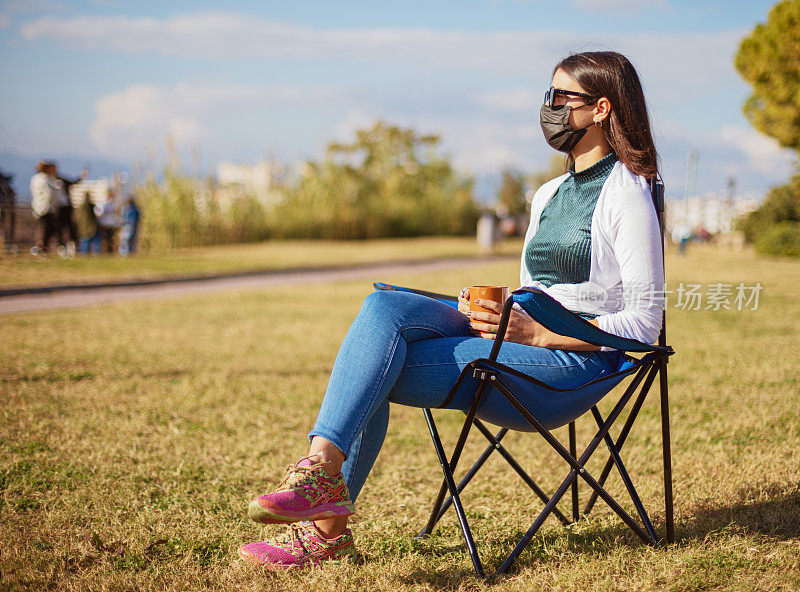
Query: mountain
x=21 y=167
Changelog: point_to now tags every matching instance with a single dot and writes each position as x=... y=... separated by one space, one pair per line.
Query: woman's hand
x=463 y=301
x=521 y=327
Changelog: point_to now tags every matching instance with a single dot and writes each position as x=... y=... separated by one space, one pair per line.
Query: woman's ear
x=602 y=109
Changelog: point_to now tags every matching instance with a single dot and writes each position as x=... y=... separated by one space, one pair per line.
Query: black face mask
x=557 y=130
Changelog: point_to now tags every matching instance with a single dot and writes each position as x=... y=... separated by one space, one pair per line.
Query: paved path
x=80 y=297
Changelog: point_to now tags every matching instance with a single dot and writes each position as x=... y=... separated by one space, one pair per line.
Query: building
x=261 y=181
x=712 y=212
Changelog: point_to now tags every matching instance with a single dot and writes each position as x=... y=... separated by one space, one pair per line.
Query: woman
x=593 y=244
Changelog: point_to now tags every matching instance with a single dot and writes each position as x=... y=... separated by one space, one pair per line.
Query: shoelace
x=297 y=534
x=296 y=475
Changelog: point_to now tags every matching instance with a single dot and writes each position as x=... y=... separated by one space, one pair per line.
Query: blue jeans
x=89 y=244
x=127 y=239
x=409 y=349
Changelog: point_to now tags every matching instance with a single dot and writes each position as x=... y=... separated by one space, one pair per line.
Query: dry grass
x=133 y=436
x=24 y=269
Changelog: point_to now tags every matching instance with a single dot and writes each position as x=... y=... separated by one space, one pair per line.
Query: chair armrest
x=445 y=298
x=501 y=329
x=553 y=316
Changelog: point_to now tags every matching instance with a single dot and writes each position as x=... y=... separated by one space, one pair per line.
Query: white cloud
x=516 y=100
x=762 y=152
x=224 y=36
x=30 y=6
x=130 y=121
x=487 y=144
x=668 y=61
x=4 y=21
x=737 y=151
x=357 y=119
x=486 y=158
x=616 y=6
x=499 y=131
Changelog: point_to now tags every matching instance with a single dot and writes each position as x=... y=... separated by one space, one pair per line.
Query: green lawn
x=24 y=269
x=133 y=436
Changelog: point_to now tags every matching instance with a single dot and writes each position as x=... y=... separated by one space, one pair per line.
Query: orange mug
x=495 y=293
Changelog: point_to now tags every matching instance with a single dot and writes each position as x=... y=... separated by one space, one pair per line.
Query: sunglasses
x=553 y=92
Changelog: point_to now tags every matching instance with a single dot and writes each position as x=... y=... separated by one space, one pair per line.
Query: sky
x=244 y=80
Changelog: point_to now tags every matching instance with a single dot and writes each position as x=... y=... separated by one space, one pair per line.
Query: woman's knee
x=382 y=304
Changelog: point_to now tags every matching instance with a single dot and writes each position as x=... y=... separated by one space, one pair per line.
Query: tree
x=769 y=59
x=511 y=194
x=781 y=204
x=389 y=181
x=558 y=166
x=774 y=228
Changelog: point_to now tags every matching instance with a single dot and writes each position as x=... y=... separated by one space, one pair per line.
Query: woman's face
x=580 y=116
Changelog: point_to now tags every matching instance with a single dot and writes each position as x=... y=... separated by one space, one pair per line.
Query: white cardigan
x=626 y=277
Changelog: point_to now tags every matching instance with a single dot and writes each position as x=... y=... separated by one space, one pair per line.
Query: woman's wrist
x=536 y=334
x=539 y=337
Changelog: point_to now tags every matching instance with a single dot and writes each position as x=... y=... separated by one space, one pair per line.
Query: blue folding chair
x=546 y=408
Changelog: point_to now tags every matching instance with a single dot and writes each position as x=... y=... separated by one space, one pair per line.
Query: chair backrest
x=657 y=193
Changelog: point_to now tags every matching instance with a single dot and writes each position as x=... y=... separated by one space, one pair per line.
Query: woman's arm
x=636 y=243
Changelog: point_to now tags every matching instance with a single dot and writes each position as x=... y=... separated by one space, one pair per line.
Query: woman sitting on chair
x=593 y=244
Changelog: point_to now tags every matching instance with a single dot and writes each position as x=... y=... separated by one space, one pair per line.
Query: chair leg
x=577 y=465
x=667 y=452
x=523 y=542
x=573 y=450
x=626 y=479
x=623 y=435
x=520 y=471
x=573 y=474
x=462 y=438
x=495 y=445
x=448 y=477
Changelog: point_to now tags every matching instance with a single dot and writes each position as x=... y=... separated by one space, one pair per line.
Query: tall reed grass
x=388 y=183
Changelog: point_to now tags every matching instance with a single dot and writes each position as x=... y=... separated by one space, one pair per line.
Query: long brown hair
x=609 y=74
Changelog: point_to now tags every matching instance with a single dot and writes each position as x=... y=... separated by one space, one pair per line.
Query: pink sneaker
x=301 y=546
x=307 y=493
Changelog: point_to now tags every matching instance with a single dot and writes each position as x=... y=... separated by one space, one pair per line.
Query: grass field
x=132 y=438
x=26 y=270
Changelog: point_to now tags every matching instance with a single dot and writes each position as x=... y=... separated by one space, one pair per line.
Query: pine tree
x=769 y=60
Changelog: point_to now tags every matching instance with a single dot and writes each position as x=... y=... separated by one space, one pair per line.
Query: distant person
x=86 y=222
x=43 y=206
x=129 y=230
x=65 y=224
x=8 y=205
x=487 y=232
x=681 y=235
x=108 y=224
x=593 y=243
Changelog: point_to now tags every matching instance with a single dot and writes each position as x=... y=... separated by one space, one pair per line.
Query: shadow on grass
x=595 y=540
x=774 y=515
x=452 y=579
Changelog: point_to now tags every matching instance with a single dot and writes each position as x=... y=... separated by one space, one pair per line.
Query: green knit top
x=560 y=251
